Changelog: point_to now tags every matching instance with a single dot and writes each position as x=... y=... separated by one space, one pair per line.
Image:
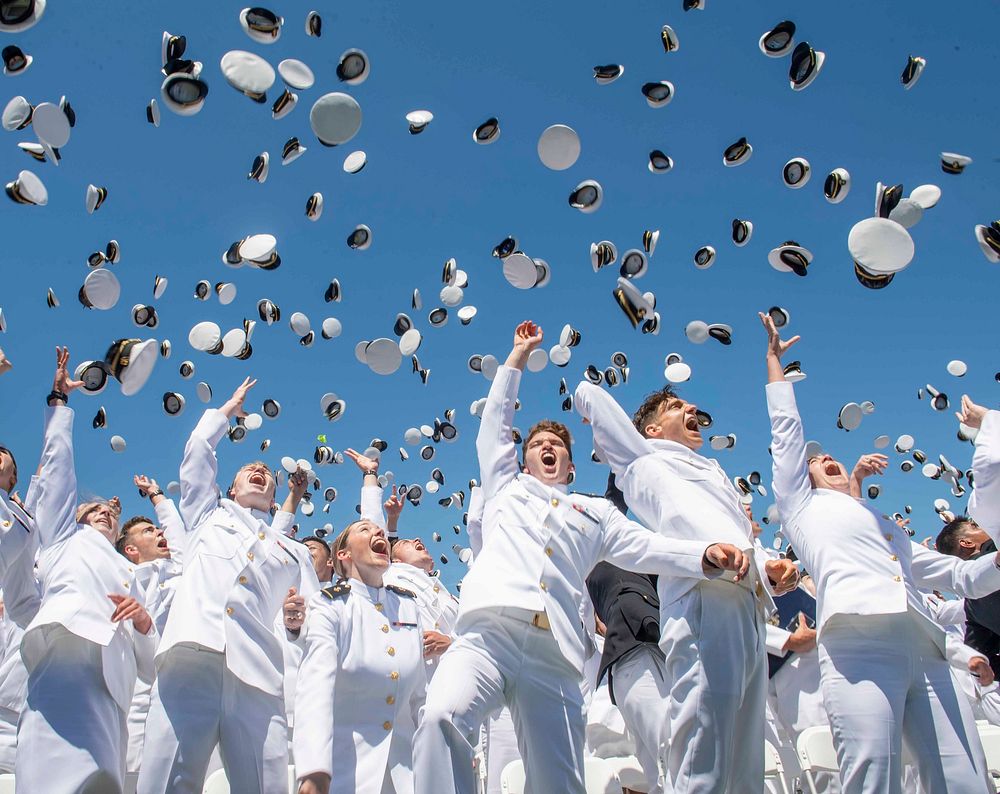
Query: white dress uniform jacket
x=540 y=542
x=671 y=489
x=884 y=676
x=861 y=561
x=984 y=501
x=360 y=687
x=438 y=607
x=81 y=667
x=78 y=568
x=238 y=569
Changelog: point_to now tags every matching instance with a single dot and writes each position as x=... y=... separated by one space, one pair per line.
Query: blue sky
x=178 y=196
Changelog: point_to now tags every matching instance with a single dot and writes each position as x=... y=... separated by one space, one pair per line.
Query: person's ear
x=651 y=430
x=132 y=552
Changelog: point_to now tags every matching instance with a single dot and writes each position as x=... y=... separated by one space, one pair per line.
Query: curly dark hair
x=645 y=412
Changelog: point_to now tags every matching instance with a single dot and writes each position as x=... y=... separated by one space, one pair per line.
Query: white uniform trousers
x=501 y=748
x=71 y=737
x=713 y=641
x=198 y=703
x=502 y=659
x=8 y=739
x=886 y=682
x=641 y=690
x=136 y=723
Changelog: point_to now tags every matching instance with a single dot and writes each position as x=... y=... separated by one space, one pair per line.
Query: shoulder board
x=401 y=591
x=339 y=590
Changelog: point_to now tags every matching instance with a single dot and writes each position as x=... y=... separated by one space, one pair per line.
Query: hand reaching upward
x=527 y=337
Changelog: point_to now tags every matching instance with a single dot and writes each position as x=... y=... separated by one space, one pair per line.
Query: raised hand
x=869 y=465
x=62 y=382
x=234 y=406
x=527 y=337
x=363 y=462
x=776 y=347
x=393 y=507
x=297 y=484
x=971 y=415
x=727 y=557
x=145 y=484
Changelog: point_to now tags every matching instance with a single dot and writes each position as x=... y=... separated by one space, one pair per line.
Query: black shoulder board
x=401 y=591
x=338 y=590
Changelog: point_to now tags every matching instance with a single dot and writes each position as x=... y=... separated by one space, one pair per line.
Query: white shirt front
x=671 y=489
x=861 y=561
x=238 y=568
x=540 y=542
x=360 y=687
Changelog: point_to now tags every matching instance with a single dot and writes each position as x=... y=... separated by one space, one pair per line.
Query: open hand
x=363 y=462
x=234 y=406
x=145 y=484
x=62 y=381
x=971 y=415
x=868 y=465
x=527 y=336
x=775 y=346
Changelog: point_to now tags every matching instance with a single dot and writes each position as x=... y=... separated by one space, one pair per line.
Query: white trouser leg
x=8 y=739
x=254 y=743
x=641 y=694
x=71 y=736
x=501 y=748
x=467 y=686
x=136 y=723
x=865 y=667
x=713 y=642
x=182 y=727
x=547 y=705
x=938 y=729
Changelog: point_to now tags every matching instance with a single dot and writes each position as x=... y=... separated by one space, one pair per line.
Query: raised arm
x=790 y=469
x=867 y=465
x=475 y=521
x=55 y=505
x=495 y=442
x=629 y=545
x=371 y=491
x=314 y=713
x=966 y=578
x=984 y=501
x=616 y=440
x=167 y=515
x=200 y=468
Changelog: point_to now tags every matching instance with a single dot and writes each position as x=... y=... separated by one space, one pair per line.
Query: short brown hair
x=123 y=535
x=653 y=402
x=549 y=426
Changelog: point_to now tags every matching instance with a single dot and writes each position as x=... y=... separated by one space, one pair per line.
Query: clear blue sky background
x=179 y=196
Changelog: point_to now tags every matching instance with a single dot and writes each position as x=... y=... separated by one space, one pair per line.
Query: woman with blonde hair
x=362 y=679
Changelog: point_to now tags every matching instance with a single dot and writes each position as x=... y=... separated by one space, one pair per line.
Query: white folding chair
x=773 y=769
x=629 y=771
x=7 y=783
x=989 y=735
x=600 y=777
x=217 y=783
x=512 y=778
x=816 y=753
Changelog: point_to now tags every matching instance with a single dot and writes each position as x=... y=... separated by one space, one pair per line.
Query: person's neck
x=369 y=576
